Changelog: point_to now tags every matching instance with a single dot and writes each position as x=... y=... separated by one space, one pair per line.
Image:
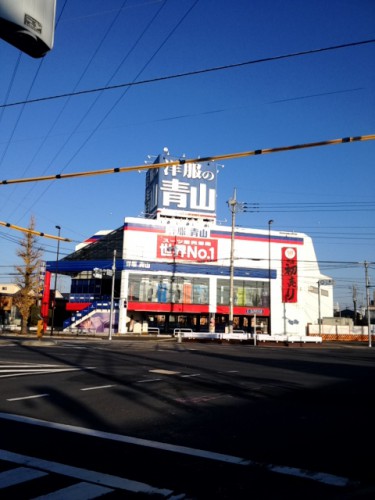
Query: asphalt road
x=191 y=420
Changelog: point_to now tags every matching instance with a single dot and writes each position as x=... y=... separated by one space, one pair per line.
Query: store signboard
x=186 y=248
x=289 y=273
x=188 y=188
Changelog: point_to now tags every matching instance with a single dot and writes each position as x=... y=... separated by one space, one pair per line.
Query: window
x=245 y=293
x=168 y=289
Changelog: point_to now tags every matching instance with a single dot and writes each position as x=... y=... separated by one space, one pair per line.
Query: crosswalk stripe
x=79 y=491
x=85 y=475
x=19 y=475
x=7 y=371
x=27 y=366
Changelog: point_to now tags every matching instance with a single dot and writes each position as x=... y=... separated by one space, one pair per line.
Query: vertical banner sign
x=289 y=274
x=45 y=299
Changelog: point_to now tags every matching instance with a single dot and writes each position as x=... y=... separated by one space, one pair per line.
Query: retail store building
x=179 y=268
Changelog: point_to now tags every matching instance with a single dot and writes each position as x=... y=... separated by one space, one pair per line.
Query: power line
x=192 y=73
x=173 y=163
x=101 y=42
x=118 y=100
x=31 y=231
x=156 y=51
x=28 y=93
x=11 y=82
x=230 y=156
x=340 y=206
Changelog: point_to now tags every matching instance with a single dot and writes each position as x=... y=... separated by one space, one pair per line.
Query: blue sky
x=314 y=97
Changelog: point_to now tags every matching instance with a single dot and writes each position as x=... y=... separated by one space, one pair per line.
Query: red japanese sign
x=186 y=248
x=289 y=274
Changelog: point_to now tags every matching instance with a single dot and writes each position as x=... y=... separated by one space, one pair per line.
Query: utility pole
x=270 y=222
x=234 y=207
x=56 y=271
x=368 y=304
x=355 y=304
x=112 y=295
x=232 y=203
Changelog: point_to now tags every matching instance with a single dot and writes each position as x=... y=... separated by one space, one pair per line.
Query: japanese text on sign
x=289 y=274
x=182 y=248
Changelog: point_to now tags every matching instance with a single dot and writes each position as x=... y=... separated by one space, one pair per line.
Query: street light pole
x=55 y=285
x=368 y=305
x=112 y=295
x=327 y=283
x=270 y=222
x=319 y=311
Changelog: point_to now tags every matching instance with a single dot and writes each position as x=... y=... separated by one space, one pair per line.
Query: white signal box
x=28 y=25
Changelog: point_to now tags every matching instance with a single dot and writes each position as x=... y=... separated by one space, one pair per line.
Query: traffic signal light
x=28 y=25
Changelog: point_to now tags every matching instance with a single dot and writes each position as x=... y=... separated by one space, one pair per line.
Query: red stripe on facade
x=244 y=311
x=195 y=309
x=77 y=306
x=224 y=236
x=167 y=307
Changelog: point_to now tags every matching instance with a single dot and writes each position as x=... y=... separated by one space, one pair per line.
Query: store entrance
x=167 y=323
x=245 y=323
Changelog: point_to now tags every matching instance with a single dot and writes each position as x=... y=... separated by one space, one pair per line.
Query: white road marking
x=19 y=475
x=18 y=373
x=164 y=372
x=145 y=381
x=84 y=474
x=21 y=370
x=191 y=375
x=202 y=399
x=79 y=491
x=28 y=397
x=183 y=450
x=321 y=477
x=97 y=387
x=26 y=365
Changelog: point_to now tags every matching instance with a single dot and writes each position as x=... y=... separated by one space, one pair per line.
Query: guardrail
x=178 y=331
x=241 y=335
x=237 y=335
x=152 y=330
x=78 y=331
x=290 y=338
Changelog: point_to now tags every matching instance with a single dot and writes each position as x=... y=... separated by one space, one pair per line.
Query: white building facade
x=182 y=269
x=178 y=268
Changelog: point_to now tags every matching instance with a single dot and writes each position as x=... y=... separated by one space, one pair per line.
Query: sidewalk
x=31 y=339
x=59 y=335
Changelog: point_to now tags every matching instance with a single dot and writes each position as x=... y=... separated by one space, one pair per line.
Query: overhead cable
x=31 y=231
x=230 y=156
x=192 y=73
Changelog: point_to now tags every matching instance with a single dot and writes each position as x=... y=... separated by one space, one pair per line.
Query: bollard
x=39 y=331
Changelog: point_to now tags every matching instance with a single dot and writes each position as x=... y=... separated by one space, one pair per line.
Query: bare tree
x=28 y=274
